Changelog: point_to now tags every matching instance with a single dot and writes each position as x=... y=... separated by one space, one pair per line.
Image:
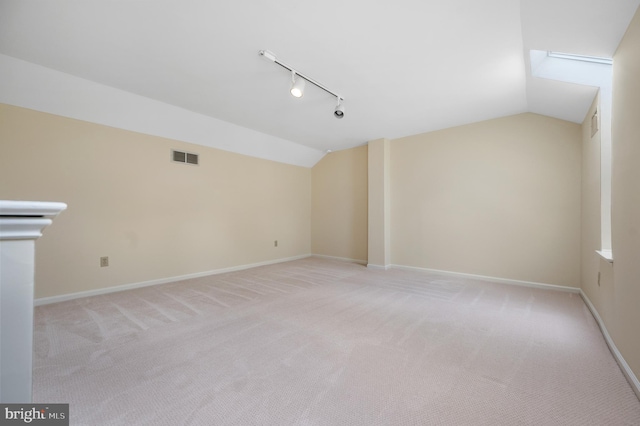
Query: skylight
x=578 y=69
x=570 y=56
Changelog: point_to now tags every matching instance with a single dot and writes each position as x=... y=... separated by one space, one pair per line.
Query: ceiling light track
x=297 y=85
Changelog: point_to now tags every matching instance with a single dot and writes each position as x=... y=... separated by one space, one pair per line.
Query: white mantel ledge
x=25 y=220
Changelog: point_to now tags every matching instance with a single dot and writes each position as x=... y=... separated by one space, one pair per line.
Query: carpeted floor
x=321 y=342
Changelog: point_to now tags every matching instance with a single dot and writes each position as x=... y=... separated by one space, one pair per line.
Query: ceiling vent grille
x=184 y=157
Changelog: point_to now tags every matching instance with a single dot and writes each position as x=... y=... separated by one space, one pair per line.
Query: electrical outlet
x=104 y=261
x=275 y=243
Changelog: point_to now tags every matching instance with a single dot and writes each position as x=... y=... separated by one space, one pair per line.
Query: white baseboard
x=626 y=370
x=342 y=259
x=378 y=267
x=107 y=290
x=347 y=259
x=493 y=279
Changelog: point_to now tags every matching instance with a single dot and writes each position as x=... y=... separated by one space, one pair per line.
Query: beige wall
x=499 y=198
x=624 y=322
x=339 y=213
x=596 y=273
x=154 y=219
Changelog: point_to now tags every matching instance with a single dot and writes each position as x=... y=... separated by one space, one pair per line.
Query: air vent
x=184 y=157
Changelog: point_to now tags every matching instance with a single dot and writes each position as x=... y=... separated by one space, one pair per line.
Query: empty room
x=320 y=213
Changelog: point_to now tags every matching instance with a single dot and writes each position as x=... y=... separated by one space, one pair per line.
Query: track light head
x=339 y=111
x=297 y=85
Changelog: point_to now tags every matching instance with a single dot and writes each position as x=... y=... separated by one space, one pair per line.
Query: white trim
x=342 y=259
x=123 y=287
x=494 y=279
x=583 y=58
x=22 y=228
x=25 y=220
x=626 y=370
x=606 y=255
x=378 y=267
x=30 y=208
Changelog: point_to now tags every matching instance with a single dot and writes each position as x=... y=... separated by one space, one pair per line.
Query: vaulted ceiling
x=403 y=66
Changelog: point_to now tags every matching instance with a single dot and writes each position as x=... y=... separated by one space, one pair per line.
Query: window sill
x=606 y=255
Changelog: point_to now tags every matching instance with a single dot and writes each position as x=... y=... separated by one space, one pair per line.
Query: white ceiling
x=403 y=66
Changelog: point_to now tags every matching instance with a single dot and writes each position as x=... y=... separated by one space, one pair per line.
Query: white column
x=21 y=223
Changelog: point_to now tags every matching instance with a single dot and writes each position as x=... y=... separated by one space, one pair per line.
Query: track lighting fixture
x=298 y=83
x=339 y=112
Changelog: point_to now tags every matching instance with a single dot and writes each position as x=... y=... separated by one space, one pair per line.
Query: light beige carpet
x=319 y=342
